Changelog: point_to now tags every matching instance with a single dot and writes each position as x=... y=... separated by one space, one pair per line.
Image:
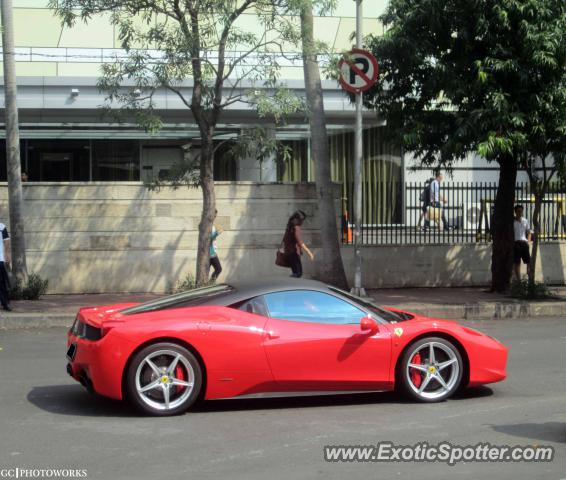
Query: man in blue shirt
x=5 y=259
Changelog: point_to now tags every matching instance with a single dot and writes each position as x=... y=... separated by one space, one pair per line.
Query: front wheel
x=163 y=379
x=430 y=370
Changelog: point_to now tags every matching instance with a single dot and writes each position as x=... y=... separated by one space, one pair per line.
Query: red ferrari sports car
x=272 y=336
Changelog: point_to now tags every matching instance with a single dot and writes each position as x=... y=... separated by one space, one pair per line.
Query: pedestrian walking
x=425 y=199
x=5 y=259
x=293 y=245
x=522 y=234
x=435 y=210
x=213 y=251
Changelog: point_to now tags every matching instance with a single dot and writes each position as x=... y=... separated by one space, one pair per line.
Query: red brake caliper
x=180 y=374
x=416 y=377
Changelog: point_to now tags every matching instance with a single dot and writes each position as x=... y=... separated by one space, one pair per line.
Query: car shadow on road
x=547 y=432
x=473 y=392
x=345 y=399
x=74 y=400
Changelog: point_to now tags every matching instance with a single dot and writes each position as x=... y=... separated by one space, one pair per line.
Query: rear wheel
x=430 y=370
x=163 y=379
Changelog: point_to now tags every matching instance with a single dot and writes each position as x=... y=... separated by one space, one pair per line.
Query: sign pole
x=358 y=154
x=358 y=72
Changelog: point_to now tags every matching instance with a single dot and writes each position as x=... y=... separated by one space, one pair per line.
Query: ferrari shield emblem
x=398 y=331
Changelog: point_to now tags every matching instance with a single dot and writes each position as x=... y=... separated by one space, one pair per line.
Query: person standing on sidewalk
x=522 y=233
x=293 y=244
x=213 y=251
x=5 y=259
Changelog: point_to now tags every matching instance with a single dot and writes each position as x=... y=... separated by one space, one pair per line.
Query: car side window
x=312 y=306
x=254 y=305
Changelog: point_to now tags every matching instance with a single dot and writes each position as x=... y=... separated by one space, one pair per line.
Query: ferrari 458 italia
x=276 y=336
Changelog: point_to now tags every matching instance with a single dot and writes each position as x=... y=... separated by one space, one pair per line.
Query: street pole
x=358 y=154
x=15 y=197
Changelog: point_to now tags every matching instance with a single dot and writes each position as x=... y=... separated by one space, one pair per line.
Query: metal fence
x=464 y=215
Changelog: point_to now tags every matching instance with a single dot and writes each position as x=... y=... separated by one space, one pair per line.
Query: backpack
x=425 y=193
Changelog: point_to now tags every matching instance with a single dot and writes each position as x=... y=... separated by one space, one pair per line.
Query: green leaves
x=277 y=104
x=477 y=76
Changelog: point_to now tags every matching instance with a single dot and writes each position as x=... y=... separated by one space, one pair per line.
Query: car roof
x=274 y=284
x=227 y=294
x=245 y=289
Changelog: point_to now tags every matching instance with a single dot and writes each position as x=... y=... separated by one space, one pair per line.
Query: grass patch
x=32 y=290
x=189 y=283
x=524 y=290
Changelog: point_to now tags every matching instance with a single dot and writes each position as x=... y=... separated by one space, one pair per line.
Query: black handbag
x=281 y=257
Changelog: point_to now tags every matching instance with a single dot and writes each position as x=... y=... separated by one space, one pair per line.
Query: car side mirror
x=368 y=324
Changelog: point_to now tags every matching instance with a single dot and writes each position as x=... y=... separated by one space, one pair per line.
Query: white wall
x=472 y=169
x=120 y=237
x=105 y=237
x=444 y=265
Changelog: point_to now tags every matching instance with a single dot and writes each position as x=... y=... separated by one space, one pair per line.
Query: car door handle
x=271 y=335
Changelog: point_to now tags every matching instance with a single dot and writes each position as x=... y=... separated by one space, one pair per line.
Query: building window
x=58 y=161
x=225 y=165
x=382 y=176
x=114 y=160
x=292 y=161
x=158 y=160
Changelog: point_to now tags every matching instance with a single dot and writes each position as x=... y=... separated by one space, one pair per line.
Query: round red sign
x=358 y=71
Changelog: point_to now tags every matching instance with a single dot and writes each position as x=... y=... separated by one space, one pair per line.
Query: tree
x=167 y=42
x=15 y=197
x=482 y=76
x=331 y=266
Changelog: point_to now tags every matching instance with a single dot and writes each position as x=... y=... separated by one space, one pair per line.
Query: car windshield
x=183 y=299
x=386 y=315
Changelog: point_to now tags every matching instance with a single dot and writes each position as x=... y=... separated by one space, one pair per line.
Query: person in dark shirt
x=293 y=244
x=5 y=259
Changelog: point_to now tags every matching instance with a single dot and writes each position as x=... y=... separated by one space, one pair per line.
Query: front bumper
x=488 y=364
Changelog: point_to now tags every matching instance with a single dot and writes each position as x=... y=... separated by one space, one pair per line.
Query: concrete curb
x=491 y=310
x=472 y=311
x=36 y=320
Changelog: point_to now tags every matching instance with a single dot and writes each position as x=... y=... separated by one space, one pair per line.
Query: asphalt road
x=48 y=421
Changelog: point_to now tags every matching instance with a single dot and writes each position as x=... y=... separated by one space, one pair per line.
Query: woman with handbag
x=293 y=244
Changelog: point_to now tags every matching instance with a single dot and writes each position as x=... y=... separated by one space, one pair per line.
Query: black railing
x=463 y=215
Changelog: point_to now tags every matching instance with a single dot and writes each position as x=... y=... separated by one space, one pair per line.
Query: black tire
x=451 y=374
x=180 y=398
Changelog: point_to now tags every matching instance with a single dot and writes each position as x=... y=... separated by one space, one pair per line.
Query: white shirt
x=435 y=191
x=521 y=227
x=5 y=236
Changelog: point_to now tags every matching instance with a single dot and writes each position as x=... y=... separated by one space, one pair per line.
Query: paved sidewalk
x=60 y=310
x=454 y=303
x=469 y=303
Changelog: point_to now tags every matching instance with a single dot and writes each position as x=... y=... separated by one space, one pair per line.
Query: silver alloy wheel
x=439 y=371
x=161 y=391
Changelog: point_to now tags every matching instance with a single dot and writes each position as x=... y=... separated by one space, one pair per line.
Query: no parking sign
x=358 y=71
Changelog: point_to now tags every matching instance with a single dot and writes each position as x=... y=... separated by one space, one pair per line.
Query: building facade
x=86 y=205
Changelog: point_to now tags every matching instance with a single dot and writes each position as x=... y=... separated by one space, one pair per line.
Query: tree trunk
x=531 y=272
x=15 y=198
x=502 y=225
x=331 y=268
x=208 y=208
